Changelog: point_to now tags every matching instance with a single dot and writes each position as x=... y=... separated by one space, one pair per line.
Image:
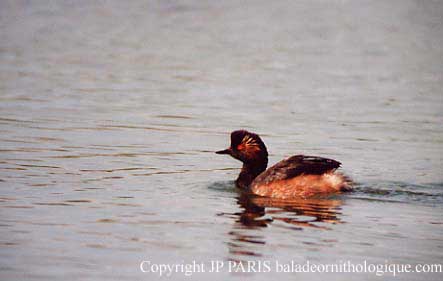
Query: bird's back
x=300 y=176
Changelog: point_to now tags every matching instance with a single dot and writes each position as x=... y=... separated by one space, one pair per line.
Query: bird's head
x=246 y=147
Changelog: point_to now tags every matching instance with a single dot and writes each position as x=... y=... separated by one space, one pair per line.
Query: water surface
x=110 y=113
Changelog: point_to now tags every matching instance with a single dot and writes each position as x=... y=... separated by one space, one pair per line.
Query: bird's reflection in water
x=259 y=212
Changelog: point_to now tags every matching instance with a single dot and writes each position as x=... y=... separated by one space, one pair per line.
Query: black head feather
x=255 y=148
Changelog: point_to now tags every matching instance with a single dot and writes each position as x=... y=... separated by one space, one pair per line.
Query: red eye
x=240 y=146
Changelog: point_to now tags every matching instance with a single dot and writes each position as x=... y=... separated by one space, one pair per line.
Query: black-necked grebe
x=296 y=176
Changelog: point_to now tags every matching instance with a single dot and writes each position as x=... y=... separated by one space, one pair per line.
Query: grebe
x=296 y=176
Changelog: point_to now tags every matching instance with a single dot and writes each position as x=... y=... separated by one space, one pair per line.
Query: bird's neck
x=249 y=172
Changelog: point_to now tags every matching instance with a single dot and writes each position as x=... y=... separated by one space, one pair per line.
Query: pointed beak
x=226 y=151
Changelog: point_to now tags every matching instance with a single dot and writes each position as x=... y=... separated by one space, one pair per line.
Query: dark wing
x=295 y=166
